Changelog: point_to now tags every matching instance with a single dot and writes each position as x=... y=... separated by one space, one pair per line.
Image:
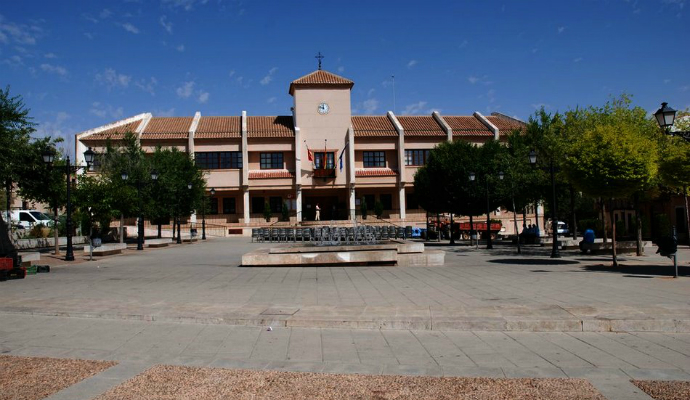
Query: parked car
x=27 y=219
x=562 y=228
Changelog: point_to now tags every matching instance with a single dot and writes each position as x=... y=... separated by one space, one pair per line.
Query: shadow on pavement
x=533 y=261
x=638 y=271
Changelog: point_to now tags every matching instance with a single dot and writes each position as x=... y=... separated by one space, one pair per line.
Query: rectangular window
x=318 y=160
x=218 y=159
x=374 y=159
x=214 y=205
x=257 y=205
x=416 y=157
x=228 y=205
x=271 y=160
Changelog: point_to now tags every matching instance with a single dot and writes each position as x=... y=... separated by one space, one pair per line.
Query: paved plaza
x=492 y=314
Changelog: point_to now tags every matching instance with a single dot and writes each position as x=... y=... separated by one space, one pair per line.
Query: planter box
x=22 y=244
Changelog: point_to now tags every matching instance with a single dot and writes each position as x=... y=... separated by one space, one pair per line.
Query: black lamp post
x=489 y=243
x=555 y=253
x=140 y=222
x=203 y=214
x=48 y=158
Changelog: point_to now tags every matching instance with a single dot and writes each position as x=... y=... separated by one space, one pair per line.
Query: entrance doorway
x=331 y=208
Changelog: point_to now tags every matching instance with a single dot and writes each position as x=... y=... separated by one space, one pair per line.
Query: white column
x=298 y=204
x=245 y=151
x=444 y=125
x=351 y=172
x=401 y=196
x=246 y=206
x=493 y=128
x=192 y=131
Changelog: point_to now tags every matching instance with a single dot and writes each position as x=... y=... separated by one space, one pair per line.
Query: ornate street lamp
x=140 y=220
x=555 y=253
x=48 y=158
x=665 y=116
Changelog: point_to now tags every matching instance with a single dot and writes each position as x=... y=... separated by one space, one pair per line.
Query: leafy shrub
x=267 y=211
x=378 y=209
x=363 y=208
x=285 y=212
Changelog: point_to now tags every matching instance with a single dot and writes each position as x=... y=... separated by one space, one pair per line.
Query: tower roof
x=320 y=78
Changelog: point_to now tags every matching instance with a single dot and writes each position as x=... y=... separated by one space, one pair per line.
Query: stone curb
x=508 y=324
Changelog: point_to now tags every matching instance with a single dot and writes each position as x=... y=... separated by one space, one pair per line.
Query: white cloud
x=577 y=59
x=89 y=35
x=412 y=63
x=185 y=90
x=147 y=86
x=105 y=13
x=479 y=79
x=415 y=108
x=231 y=73
x=167 y=25
x=165 y=113
x=203 y=97
x=180 y=48
x=187 y=5
x=50 y=55
x=271 y=100
x=14 y=61
x=19 y=33
x=111 y=79
x=103 y=111
x=54 y=69
x=538 y=106
x=387 y=83
x=245 y=83
x=370 y=106
x=370 y=92
x=561 y=29
x=90 y=18
x=130 y=28
x=268 y=78
x=667 y=81
x=463 y=44
x=341 y=69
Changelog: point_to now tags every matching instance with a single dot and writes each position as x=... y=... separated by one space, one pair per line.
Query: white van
x=27 y=219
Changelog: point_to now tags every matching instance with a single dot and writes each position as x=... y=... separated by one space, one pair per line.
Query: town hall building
x=321 y=154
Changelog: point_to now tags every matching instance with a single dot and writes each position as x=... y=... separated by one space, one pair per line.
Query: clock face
x=323 y=108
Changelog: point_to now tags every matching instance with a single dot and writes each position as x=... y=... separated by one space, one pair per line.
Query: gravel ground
x=665 y=390
x=33 y=378
x=167 y=382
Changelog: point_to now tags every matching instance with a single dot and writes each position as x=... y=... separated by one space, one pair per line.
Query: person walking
x=318 y=213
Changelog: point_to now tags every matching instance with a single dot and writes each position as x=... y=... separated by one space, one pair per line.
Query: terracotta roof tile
x=421 y=126
x=364 y=172
x=506 y=124
x=280 y=126
x=167 y=128
x=272 y=173
x=116 y=133
x=320 y=78
x=218 y=128
x=373 y=125
x=467 y=126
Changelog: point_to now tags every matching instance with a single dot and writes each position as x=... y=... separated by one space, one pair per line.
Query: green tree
x=674 y=170
x=611 y=152
x=94 y=198
x=267 y=211
x=16 y=128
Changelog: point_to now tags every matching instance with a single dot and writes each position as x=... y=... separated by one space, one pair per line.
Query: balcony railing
x=324 y=173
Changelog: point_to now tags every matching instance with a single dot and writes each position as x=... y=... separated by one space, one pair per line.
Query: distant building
x=321 y=154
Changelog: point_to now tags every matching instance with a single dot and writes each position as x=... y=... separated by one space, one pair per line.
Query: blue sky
x=81 y=64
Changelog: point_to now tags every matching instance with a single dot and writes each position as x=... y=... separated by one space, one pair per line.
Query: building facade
x=320 y=155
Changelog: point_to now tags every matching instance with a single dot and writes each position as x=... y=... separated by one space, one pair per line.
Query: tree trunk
x=603 y=218
x=613 y=235
x=56 y=233
x=471 y=229
x=173 y=227
x=524 y=218
x=638 y=218
x=122 y=228
x=687 y=216
x=452 y=240
x=572 y=212
x=159 y=229
x=515 y=218
x=536 y=214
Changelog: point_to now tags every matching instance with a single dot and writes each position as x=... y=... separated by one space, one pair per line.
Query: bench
x=106 y=249
x=153 y=243
x=605 y=248
x=30 y=258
